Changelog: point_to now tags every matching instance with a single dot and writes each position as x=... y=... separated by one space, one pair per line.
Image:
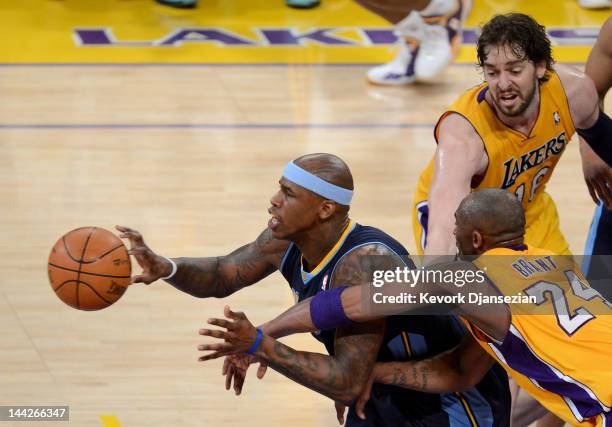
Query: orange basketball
x=89 y=268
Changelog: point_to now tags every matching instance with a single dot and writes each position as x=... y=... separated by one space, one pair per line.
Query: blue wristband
x=257 y=342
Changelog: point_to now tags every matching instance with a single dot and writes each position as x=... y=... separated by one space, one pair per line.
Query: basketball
x=89 y=268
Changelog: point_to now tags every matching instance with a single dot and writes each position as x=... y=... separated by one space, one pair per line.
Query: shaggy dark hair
x=522 y=34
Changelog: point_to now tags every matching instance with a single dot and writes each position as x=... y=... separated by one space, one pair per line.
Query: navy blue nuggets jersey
x=406 y=337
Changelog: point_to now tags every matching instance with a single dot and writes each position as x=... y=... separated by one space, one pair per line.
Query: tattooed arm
x=455 y=370
x=356 y=305
x=211 y=276
x=341 y=376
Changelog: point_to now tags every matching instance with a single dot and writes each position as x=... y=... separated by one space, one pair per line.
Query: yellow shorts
x=542 y=229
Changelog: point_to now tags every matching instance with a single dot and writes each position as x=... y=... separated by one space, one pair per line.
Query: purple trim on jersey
x=482 y=94
x=452 y=32
x=423 y=218
x=520 y=357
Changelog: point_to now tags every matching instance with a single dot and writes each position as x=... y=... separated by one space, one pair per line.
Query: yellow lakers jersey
x=519 y=163
x=559 y=345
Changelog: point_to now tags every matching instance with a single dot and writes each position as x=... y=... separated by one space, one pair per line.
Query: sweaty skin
x=460 y=155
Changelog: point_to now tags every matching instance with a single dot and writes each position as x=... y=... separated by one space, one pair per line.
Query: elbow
x=217 y=294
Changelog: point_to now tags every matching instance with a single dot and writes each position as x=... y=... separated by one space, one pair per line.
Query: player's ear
x=477 y=239
x=540 y=69
x=327 y=209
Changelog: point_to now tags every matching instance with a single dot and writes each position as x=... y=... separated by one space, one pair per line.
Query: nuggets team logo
x=325 y=283
x=556 y=118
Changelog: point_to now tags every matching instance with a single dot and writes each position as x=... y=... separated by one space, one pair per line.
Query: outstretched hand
x=235 y=367
x=364 y=396
x=340 y=410
x=153 y=266
x=597 y=175
x=238 y=337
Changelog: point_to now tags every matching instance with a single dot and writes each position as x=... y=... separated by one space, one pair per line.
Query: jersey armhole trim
x=284 y=258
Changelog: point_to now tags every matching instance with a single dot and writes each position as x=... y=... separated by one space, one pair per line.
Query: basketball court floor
x=178 y=123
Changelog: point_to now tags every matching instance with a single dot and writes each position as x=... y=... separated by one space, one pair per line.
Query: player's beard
x=525 y=101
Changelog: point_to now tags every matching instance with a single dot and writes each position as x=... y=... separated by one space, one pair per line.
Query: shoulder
x=364 y=235
x=460 y=144
x=271 y=248
x=357 y=267
x=581 y=95
x=454 y=128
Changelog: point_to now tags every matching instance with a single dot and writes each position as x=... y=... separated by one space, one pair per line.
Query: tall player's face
x=293 y=210
x=512 y=80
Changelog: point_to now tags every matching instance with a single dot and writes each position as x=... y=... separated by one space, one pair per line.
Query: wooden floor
x=189 y=156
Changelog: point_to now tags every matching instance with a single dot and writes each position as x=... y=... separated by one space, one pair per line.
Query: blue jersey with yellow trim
x=406 y=337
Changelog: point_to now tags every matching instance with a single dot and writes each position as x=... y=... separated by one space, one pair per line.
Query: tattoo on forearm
x=335 y=377
x=419 y=376
x=425 y=374
x=399 y=377
x=221 y=276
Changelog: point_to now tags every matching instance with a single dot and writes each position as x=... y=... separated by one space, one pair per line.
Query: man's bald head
x=328 y=167
x=495 y=214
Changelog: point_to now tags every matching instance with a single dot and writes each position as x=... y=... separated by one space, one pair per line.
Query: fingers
x=605 y=192
x=592 y=192
x=215 y=333
x=222 y=323
x=364 y=397
x=340 y=412
x=141 y=278
x=215 y=355
x=132 y=235
x=360 y=408
x=230 y=374
x=215 y=347
x=601 y=192
x=261 y=371
x=239 y=315
x=226 y=365
x=239 y=376
x=138 y=250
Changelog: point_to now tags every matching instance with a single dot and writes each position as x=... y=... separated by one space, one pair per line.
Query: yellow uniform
x=518 y=163
x=559 y=346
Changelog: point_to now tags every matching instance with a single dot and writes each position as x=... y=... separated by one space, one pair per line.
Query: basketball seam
x=63 y=283
x=90 y=274
x=103 y=255
x=80 y=264
x=85 y=284
x=95 y=292
x=68 y=250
